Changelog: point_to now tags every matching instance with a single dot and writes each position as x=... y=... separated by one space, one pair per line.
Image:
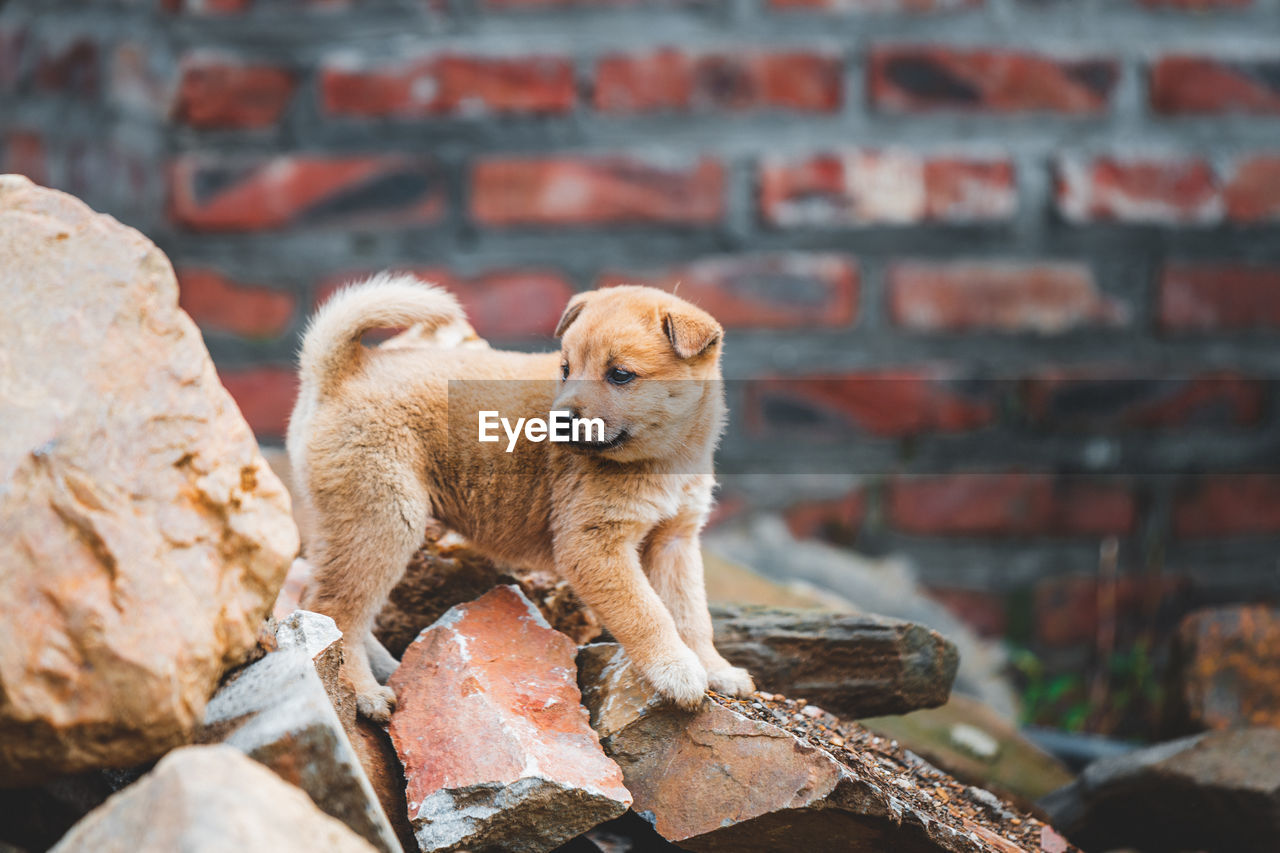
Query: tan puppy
x=384 y=446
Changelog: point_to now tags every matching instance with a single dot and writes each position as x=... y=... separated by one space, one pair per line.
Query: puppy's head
x=644 y=362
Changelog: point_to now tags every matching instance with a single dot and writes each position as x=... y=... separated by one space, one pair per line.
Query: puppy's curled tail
x=331 y=346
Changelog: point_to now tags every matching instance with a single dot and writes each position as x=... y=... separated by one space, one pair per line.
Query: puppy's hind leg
x=381 y=661
x=363 y=552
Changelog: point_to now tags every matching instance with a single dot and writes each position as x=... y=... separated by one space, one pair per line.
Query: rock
x=448 y=572
x=494 y=741
x=761 y=775
x=887 y=587
x=320 y=639
x=316 y=637
x=209 y=798
x=1215 y=791
x=958 y=738
x=444 y=573
x=1228 y=672
x=856 y=665
x=852 y=665
x=278 y=712
x=145 y=536
x=437 y=578
x=381 y=764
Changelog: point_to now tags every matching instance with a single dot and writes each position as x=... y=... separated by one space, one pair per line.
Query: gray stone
x=1216 y=791
x=853 y=665
x=278 y=712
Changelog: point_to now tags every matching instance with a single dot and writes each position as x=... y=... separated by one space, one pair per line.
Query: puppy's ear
x=691 y=332
x=571 y=312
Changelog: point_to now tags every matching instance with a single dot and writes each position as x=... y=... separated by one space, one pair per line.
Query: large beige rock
x=144 y=537
x=495 y=743
x=209 y=799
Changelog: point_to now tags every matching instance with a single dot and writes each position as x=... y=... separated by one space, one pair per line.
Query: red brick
x=1228 y=505
x=500 y=303
x=1203 y=85
x=983 y=611
x=910 y=6
x=1139 y=190
x=999 y=296
x=515 y=303
x=673 y=80
x=834 y=520
x=1219 y=297
x=1009 y=505
x=595 y=191
x=912 y=79
x=265 y=396
x=1110 y=399
x=212 y=194
x=1068 y=611
x=450 y=84
x=1253 y=190
x=70 y=67
x=868 y=187
x=900 y=402
x=218 y=93
x=775 y=291
x=220 y=304
x=25 y=154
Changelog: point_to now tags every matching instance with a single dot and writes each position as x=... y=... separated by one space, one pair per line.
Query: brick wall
x=1007 y=272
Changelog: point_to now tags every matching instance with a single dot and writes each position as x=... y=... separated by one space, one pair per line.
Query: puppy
x=384 y=447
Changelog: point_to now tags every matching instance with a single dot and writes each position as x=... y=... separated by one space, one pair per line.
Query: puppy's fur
x=378 y=462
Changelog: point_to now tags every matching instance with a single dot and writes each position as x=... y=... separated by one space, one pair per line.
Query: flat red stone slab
x=490 y=728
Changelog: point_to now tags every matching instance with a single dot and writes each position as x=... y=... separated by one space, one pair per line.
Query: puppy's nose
x=575 y=412
x=566 y=400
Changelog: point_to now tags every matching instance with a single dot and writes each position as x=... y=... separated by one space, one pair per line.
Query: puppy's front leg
x=673 y=558
x=602 y=565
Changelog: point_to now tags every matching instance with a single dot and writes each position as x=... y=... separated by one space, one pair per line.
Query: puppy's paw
x=376 y=703
x=681 y=680
x=731 y=680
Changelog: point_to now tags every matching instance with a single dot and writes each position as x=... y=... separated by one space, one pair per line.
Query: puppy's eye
x=619 y=376
x=564 y=370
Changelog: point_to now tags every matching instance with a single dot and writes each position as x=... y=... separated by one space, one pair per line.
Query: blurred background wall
x=1005 y=275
